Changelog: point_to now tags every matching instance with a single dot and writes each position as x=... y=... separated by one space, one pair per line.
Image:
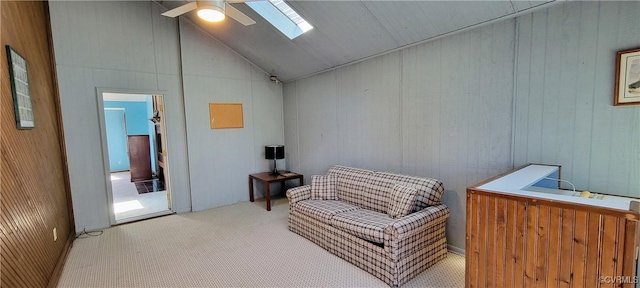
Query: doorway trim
x=105 y=153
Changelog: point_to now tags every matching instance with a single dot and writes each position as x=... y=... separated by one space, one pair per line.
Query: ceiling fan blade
x=181 y=10
x=237 y=15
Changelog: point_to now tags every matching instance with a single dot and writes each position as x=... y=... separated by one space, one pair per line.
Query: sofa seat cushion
x=366 y=224
x=323 y=210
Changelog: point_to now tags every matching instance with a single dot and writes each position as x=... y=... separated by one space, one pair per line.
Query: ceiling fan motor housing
x=216 y=3
x=211 y=10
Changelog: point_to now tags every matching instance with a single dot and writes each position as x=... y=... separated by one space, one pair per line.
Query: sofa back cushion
x=429 y=190
x=371 y=190
x=350 y=180
x=377 y=194
x=358 y=187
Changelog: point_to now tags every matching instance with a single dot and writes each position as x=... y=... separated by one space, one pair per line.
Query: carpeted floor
x=240 y=245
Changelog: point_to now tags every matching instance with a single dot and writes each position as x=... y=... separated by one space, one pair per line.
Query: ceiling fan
x=212 y=11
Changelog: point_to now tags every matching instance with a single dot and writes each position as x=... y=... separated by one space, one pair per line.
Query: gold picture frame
x=627 y=85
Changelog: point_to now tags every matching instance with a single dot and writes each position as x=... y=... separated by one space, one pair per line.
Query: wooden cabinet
x=523 y=233
x=139 y=157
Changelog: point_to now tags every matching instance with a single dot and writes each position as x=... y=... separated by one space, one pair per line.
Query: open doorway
x=133 y=127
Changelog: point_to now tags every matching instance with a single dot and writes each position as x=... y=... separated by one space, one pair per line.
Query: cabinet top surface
x=520 y=178
x=522 y=182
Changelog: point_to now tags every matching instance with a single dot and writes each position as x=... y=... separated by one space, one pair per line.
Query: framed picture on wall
x=627 y=90
x=20 y=89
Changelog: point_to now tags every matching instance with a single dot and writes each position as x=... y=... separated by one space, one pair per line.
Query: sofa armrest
x=414 y=231
x=298 y=194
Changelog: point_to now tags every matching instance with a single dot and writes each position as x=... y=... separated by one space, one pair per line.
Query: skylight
x=281 y=16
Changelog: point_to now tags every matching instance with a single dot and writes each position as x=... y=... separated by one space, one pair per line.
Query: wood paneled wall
x=34 y=196
x=518 y=242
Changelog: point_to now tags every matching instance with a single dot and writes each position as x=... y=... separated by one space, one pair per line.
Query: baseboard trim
x=57 y=271
x=456 y=250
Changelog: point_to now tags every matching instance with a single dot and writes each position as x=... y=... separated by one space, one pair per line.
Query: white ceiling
x=348 y=31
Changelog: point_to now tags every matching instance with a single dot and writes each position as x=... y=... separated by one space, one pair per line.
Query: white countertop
x=519 y=183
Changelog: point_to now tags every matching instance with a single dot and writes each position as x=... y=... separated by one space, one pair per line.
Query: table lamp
x=274 y=152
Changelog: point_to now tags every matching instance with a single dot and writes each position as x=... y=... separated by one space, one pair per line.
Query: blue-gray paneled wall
x=564 y=95
x=125 y=45
x=440 y=109
x=129 y=46
x=220 y=160
x=538 y=88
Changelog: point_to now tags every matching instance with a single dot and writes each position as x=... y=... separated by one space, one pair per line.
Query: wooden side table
x=267 y=179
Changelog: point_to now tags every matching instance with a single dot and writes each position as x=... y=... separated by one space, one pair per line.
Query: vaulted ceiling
x=348 y=31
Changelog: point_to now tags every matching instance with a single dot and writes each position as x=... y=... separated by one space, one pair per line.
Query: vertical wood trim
x=511 y=235
x=607 y=259
x=543 y=246
x=477 y=234
x=555 y=244
x=521 y=243
x=629 y=261
x=579 y=249
x=620 y=238
x=482 y=244
x=471 y=242
x=501 y=242
x=593 y=250
x=491 y=250
x=531 y=246
x=566 y=249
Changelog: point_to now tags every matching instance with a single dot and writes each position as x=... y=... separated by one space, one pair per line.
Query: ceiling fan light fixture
x=211 y=13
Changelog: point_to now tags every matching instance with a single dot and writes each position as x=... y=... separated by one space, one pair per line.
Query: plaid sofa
x=356 y=227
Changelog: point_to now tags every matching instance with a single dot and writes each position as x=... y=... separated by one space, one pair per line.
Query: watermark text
x=619 y=279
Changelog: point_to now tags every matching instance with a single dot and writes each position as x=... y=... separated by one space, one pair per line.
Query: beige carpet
x=240 y=245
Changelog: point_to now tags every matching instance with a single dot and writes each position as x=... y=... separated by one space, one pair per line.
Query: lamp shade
x=274 y=152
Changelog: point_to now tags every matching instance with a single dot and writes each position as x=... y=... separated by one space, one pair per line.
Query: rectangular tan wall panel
x=226 y=115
